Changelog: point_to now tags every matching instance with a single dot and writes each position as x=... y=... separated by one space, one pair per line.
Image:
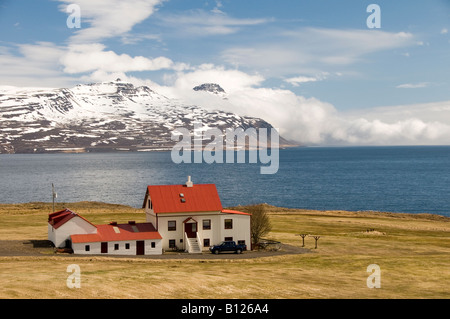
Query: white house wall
x=95 y=248
x=76 y=225
x=217 y=233
x=51 y=233
x=241 y=228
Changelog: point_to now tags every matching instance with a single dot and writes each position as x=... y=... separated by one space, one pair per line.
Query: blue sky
x=322 y=52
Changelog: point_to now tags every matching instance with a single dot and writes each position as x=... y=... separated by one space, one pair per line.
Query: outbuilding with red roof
x=69 y=230
x=62 y=224
x=119 y=239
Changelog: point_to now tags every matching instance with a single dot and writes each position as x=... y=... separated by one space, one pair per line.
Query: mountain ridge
x=105 y=116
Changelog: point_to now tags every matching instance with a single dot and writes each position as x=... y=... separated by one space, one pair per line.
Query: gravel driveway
x=44 y=248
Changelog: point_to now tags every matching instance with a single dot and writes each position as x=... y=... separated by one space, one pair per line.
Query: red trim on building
x=229 y=211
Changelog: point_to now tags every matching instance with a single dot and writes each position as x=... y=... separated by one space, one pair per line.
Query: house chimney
x=189 y=183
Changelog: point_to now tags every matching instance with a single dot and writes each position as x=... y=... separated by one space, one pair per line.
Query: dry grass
x=412 y=251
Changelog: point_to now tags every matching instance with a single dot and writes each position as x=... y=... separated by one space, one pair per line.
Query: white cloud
x=314 y=122
x=312 y=50
x=413 y=85
x=203 y=23
x=109 y=18
x=444 y=31
x=32 y=65
x=230 y=80
x=217 y=8
x=296 y=81
x=51 y=65
x=102 y=19
x=93 y=57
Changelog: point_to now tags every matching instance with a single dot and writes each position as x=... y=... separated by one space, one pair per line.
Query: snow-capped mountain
x=104 y=116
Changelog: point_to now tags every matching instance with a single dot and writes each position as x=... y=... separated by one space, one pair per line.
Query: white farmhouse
x=191 y=217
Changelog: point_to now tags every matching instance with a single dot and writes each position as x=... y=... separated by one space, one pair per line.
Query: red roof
x=61 y=217
x=119 y=232
x=180 y=198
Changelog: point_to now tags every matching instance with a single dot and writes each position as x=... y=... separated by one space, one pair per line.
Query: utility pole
x=54 y=195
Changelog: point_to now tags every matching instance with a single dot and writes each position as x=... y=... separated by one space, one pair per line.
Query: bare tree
x=260 y=223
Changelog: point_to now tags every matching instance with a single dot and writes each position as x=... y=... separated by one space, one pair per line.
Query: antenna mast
x=54 y=195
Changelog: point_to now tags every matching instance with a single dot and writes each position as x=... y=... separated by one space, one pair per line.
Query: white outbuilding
x=64 y=223
x=67 y=229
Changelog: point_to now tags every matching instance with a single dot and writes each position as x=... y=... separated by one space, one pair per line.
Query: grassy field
x=412 y=251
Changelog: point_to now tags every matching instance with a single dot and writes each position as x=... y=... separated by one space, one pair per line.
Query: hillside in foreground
x=412 y=252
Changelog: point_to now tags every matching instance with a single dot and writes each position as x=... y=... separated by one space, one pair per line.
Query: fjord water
x=410 y=179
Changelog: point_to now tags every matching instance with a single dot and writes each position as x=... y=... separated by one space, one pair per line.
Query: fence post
x=303 y=239
x=316 y=238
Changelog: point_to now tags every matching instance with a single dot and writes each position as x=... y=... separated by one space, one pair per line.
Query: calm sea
x=395 y=179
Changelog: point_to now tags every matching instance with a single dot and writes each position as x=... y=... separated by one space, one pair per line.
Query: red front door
x=191 y=230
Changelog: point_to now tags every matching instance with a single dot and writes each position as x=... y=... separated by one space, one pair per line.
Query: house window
x=206 y=242
x=87 y=248
x=171 y=225
x=172 y=243
x=206 y=224
x=241 y=242
x=228 y=238
x=228 y=224
x=153 y=244
x=127 y=246
x=116 y=246
x=150 y=204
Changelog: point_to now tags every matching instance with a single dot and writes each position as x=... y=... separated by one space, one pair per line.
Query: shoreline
x=130 y=149
x=341 y=212
x=269 y=208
